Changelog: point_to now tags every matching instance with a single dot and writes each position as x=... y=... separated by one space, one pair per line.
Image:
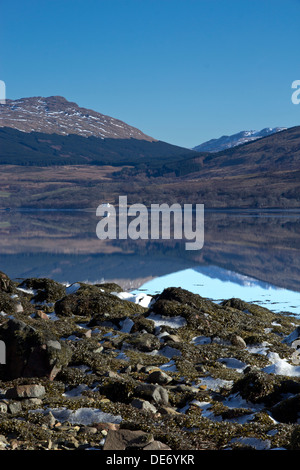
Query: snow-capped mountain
x=229 y=141
x=56 y=115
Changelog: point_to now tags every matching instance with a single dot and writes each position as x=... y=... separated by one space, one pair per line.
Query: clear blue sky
x=182 y=71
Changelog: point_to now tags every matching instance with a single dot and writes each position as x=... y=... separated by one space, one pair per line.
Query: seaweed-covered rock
x=172 y=371
x=45 y=290
x=31 y=352
x=92 y=302
x=182 y=296
x=145 y=342
x=8 y=304
x=287 y=411
x=140 y=323
x=295 y=438
x=125 y=439
x=254 y=386
x=109 y=287
x=246 y=307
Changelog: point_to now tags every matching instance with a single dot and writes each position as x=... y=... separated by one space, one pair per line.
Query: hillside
x=53 y=131
x=277 y=152
x=41 y=149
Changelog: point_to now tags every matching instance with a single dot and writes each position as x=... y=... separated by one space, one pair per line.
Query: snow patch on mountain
x=56 y=115
x=229 y=141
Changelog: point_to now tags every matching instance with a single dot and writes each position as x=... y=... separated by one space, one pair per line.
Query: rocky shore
x=88 y=367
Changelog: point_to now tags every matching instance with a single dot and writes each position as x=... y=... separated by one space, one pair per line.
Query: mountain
x=277 y=152
x=229 y=141
x=39 y=135
x=56 y=115
x=53 y=131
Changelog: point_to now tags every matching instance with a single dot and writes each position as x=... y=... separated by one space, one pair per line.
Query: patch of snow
x=198 y=340
x=281 y=366
x=257 y=444
x=173 y=322
x=27 y=291
x=85 y=416
x=216 y=384
x=292 y=336
x=126 y=325
x=76 y=391
x=142 y=299
x=71 y=289
x=122 y=357
x=167 y=351
x=233 y=363
x=259 y=348
x=169 y=367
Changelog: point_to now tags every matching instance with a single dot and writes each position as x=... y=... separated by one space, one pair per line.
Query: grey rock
x=15 y=407
x=54 y=344
x=26 y=391
x=157 y=445
x=154 y=392
x=143 y=405
x=238 y=341
x=159 y=377
x=126 y=439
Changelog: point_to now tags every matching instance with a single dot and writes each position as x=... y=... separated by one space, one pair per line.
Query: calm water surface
x=252 y=255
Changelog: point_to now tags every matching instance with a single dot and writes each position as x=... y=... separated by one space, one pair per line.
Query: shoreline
x=175 y=369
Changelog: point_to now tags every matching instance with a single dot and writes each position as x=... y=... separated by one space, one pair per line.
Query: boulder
x=255 y=386
x=126 y=439
x=45 y=290
x=26 y=391
x=31 y=352
x=91 y=301
x=157 y=393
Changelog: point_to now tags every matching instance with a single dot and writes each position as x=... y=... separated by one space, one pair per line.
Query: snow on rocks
x=177 y=369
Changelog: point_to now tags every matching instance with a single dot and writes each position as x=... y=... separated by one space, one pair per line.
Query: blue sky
x=182 y=71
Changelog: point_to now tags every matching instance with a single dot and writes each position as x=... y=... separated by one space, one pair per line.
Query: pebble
x=41 y=314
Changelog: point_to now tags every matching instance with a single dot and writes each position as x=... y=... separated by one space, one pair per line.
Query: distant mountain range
x=229 y=141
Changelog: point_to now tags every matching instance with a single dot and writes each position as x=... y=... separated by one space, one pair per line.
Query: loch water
x=250 y=254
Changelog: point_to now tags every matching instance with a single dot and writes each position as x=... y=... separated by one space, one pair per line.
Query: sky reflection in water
x=218 y=284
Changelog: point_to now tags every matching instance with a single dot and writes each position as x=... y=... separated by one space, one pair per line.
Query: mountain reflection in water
x=253 y=255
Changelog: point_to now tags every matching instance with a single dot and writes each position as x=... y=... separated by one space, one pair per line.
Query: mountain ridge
x=57 y=115
x=234 y=140
x=54 y=131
